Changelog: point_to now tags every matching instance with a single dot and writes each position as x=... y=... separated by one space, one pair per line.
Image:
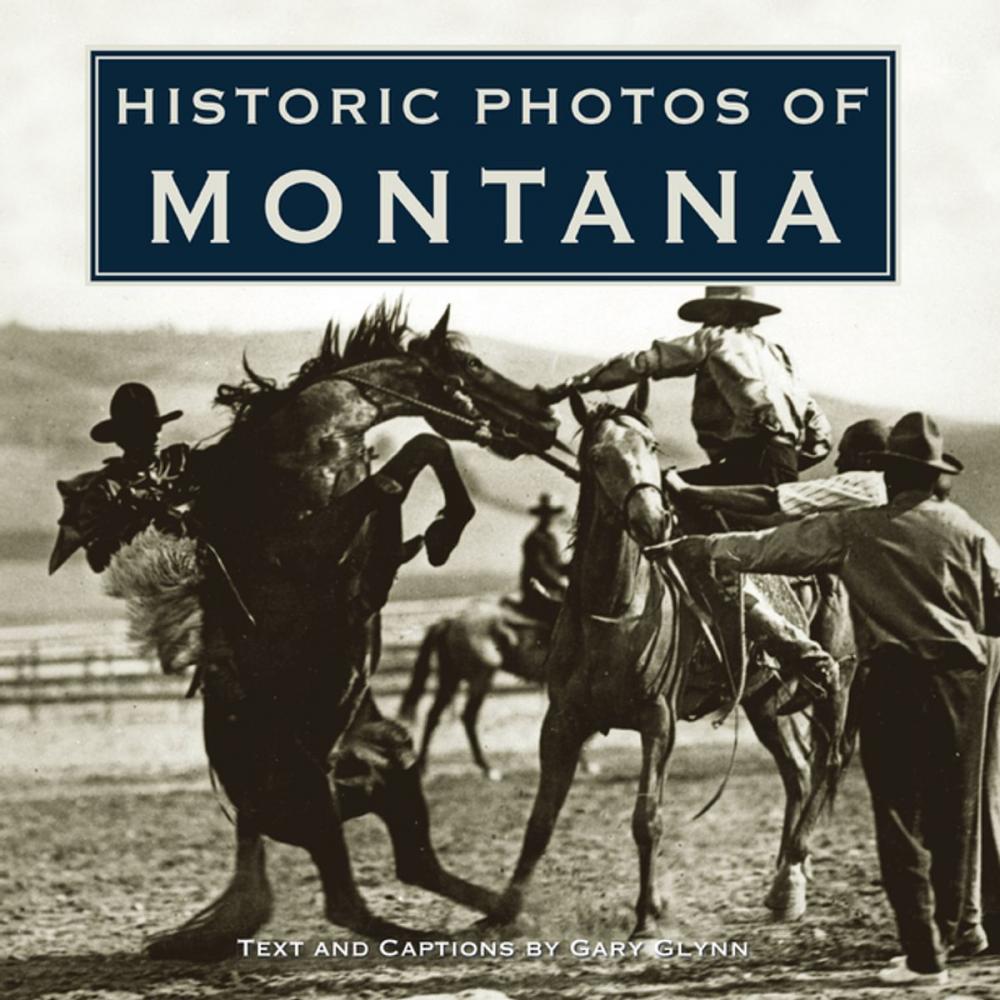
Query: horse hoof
x=440 y=539
x=786 y=898
x=210 y=936
x=493 y=774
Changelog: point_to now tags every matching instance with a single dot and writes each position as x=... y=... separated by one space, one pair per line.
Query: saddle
x=538 y=607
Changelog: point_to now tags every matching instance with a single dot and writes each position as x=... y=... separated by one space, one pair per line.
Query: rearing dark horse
x=310 y=544
x=621 y=657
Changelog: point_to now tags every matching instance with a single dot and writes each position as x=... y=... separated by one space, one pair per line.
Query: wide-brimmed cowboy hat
x=546 y=505
x=916 y=440
x=133 y=406
x=738 y=299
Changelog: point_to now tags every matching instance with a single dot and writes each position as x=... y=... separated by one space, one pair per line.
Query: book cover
x=265 y=260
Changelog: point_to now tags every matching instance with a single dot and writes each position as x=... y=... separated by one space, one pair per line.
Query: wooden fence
x=88 y=661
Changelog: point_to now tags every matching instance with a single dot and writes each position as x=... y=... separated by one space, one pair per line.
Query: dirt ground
x=104 y=840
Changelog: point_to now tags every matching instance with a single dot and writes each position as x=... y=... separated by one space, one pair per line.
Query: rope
x=422 y=404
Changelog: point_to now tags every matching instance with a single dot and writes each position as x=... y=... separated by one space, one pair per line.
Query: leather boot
x=801 y=657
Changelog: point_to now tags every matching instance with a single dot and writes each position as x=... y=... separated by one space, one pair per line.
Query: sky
x=928 y=342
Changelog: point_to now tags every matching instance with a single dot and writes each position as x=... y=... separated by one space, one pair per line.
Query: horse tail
x=430 y=645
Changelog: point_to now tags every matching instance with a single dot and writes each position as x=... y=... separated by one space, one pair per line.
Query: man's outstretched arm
x=664 y=359
x=815 y=543
x=731 y=499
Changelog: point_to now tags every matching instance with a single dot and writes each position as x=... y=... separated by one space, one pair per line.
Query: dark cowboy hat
x=865 y=437
x=916 y=440
x=545 y=505
x=738 y=299
x=132 y=406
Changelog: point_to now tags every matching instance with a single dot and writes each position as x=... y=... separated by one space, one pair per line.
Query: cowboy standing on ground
x=753 y=417
x=542 y=564
x=926 y=579
x=105 y=509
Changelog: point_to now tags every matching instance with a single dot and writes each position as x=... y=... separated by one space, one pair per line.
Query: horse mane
x=379 y=334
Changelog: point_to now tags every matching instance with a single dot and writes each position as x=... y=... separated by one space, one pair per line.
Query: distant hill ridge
x=56 y=384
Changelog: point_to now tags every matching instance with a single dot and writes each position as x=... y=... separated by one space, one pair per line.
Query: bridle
x=634 y=490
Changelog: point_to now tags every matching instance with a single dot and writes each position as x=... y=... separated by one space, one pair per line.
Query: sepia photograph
x=499 y=502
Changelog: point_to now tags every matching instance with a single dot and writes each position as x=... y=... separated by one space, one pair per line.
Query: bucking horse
x=624 y=655
x=303 y=544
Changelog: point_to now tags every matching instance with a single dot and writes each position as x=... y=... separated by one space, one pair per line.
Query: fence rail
x=74 y=662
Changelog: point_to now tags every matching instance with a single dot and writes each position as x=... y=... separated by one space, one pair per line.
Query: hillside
x=55 y=385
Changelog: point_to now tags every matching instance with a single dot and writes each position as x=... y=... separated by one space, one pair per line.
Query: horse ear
x=438 y=335
x=639 y=400
x=579 y=407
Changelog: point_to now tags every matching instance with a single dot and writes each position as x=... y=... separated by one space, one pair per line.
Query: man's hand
x=555 y=393
x=691 y=550
x=675 y=484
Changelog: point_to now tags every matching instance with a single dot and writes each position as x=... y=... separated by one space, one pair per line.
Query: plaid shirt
x=845 y=491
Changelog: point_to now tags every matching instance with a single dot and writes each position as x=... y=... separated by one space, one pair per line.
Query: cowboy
x=105 y=509
x=857 y=483
x=543 y=570
x=753 y=417
x=925 y=577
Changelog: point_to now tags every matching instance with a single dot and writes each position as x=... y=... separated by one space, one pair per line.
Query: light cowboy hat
x=916 y=440
x=546 y=505
x=738 y=299
x=132 y=406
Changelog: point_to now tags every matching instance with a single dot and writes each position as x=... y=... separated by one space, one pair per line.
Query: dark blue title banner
x=616 y=166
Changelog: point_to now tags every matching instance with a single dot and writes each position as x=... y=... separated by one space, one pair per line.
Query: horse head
x=619 y=466
x=398 y=373
x=519 y=419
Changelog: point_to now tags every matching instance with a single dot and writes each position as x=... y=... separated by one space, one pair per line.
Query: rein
x=483 y=431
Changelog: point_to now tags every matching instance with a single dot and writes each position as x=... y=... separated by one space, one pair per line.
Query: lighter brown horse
x=623 y=655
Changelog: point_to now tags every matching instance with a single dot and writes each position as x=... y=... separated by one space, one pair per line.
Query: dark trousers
x=921 y=739
x=762 y=461
x=982 y=906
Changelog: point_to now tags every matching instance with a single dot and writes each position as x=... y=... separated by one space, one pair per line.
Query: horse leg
x=479 y=688
x=417 y=454
x=559 y=750
x=658 y=729
x=239 y=912
x=826 y=733
x=587 y=763
x=401 y=804
x=787 y=740
x=435 y=635
x=448 y=682
x=336 y=525
x=286 y=792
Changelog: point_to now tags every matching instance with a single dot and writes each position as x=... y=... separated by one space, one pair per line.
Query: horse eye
x=473 y=364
